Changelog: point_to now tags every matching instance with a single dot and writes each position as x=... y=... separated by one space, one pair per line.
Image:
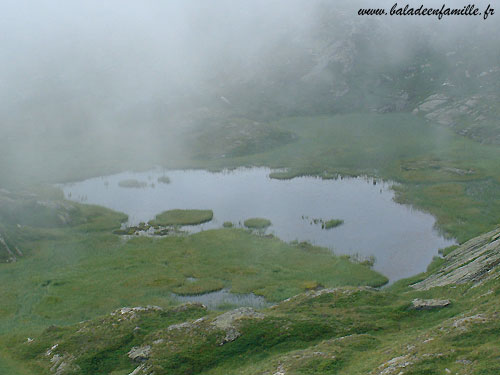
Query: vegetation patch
x=257 y=223
x=436 y=263
x=182 y=217
x=199 y=286
x=325 y=224
x=329 y=224
x=448 y=250
x=285 y=175
x=361 y=259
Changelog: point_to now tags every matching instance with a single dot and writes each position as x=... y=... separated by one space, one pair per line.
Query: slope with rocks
x=444 y=324
x=475 y=262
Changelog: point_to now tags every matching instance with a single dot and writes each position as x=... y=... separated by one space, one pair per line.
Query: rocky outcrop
x=6 y=254
x=474 y=261
x=140 y=353
x=395 y=365
x=227 y=321
x=128 y=313
x=429 y=304
x=142 y=370
x=24 y=208
x=468 y=116
x=62 y=364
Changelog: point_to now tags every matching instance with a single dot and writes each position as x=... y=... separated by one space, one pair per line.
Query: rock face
x=227 y=321
x=140 y=354
x=127 y=313
x=20 y=209
x=6 y=254
x=395 y=365
x=477 y=109
x=62 y=364
x=429 y=304
x=475 y=261
x=142 y=370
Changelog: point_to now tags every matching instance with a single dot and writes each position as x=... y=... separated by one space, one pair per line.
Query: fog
x=127 y=52
x=90 y=82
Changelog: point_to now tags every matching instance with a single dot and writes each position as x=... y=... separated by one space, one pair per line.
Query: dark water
x=402 y=240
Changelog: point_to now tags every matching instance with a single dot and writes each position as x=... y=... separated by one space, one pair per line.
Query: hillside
x=429 y=325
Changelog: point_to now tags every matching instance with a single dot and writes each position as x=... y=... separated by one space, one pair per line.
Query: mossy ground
x=182 y=217
x=333 y=223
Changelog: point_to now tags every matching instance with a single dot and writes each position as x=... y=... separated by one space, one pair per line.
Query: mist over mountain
x=115 y=78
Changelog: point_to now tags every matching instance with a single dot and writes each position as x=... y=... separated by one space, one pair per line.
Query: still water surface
x=402 y=240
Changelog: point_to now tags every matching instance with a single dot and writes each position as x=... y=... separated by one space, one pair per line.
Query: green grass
x=332 y=223
x=447 y=250
x=183 y=217
x=257 y=223
x=436 y=263
x=107 y=339
x=193 y=288
x=346 y=331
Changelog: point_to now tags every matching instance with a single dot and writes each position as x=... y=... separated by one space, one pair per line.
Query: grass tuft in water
x=182 y=217
x=257 y=223
x=332 y=223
